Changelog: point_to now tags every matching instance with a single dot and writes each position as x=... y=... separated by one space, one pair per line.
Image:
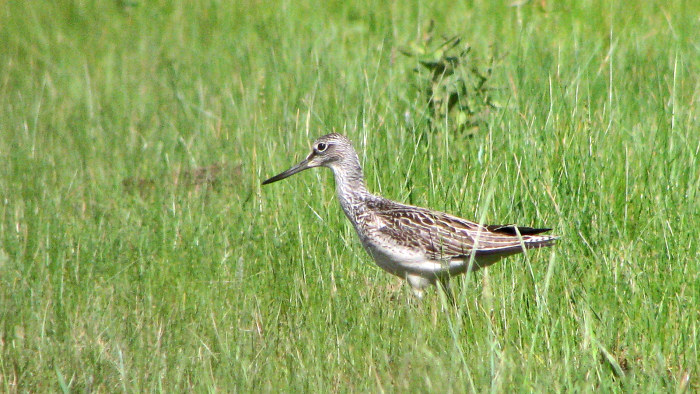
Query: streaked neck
x=349 y=184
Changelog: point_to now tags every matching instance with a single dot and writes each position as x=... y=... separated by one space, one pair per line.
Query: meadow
x=139 y=252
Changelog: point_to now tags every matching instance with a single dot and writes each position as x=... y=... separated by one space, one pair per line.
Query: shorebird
x=418 y=244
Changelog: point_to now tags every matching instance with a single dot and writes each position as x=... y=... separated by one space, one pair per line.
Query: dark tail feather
x=510 y=229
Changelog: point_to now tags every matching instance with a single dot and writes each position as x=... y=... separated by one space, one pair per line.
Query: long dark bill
x=297 y=168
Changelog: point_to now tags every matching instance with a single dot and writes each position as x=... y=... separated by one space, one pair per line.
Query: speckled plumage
x=414 y=243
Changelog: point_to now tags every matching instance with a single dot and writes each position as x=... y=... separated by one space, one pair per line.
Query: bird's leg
x=418 y=293
x=418 y=283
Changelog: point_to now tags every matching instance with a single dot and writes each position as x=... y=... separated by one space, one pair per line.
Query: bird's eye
x=321 y=147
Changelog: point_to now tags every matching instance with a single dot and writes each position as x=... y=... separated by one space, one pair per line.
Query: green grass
x=118 y=272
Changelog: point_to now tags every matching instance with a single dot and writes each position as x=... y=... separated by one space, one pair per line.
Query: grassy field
x=138 y=251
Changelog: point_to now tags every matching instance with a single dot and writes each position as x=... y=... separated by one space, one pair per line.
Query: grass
x=127 y=263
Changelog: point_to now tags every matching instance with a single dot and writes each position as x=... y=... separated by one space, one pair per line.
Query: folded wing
x=446 y=237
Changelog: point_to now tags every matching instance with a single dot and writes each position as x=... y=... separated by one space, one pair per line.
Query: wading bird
x=420 y=245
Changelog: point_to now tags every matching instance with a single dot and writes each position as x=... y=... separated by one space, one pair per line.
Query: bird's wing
x=446 y=237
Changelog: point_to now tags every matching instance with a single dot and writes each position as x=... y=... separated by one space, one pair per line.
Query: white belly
x=402 y=261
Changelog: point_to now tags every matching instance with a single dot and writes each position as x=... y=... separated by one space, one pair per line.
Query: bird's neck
x=350 y=185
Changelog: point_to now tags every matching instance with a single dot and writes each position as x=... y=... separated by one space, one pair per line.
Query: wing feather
x=446 y=237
